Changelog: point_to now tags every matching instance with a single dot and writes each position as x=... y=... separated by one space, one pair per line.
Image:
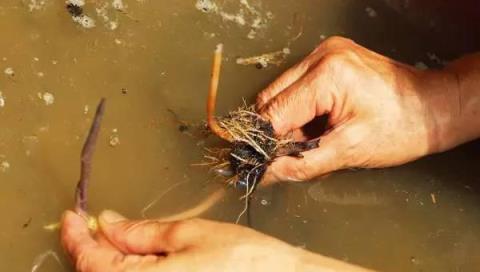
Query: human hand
x=380 y=112
x=191 y=245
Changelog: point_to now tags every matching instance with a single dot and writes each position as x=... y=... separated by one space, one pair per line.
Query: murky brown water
x=153 y=59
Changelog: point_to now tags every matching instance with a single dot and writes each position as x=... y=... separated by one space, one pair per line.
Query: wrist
x=453 y=101
x=440 y=92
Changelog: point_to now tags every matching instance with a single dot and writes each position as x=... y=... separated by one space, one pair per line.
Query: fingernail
x=292 y=179
x=111 y=217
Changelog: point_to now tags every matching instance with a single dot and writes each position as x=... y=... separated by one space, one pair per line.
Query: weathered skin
x=381 y=112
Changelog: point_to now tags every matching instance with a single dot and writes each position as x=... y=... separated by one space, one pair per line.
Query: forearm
x=467 y=71
x=454 y=103
x=318 y=263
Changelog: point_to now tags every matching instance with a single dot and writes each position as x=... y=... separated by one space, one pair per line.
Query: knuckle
x=177 y=229
x=262 y=99
x=130 y=234
x=273 y=113
x=300 y=68
x=334 y=43
x=174 y=229
x=336 y=46
x=340 y=62
x=336 y=59
x=337 y=41
x=124 y=233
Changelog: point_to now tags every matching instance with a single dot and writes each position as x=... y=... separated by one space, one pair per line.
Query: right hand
x=381 y=112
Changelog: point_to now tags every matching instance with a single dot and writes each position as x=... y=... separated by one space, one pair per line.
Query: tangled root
x=254 y=144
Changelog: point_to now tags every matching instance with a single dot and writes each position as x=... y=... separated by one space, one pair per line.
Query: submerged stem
x=212 y=96
x=86 y=160
x=197 y=210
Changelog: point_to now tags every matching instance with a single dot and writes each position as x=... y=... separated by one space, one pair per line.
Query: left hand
x=190 y=245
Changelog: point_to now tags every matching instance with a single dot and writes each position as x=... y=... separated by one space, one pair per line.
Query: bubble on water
x=84 y=20
x=36 y=5
x=4 y=166
x=112 y=25
x=47 y=97
x=257 y=22
x=206 y=6
x=118 y=4
x=9 y=71
x=246 y=15
x=252 y=34
x=2 y=100
x=237 y=18
x=103 y=13
x=114 y=138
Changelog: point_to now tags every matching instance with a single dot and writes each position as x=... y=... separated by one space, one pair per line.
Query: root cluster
x=253 y=142
x=253 y=147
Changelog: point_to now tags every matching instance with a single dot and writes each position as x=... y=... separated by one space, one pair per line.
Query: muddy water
x=151 y=61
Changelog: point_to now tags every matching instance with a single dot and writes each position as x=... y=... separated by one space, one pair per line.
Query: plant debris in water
x=74 y=10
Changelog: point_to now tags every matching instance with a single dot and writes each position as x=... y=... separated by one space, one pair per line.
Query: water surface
x=151 y=61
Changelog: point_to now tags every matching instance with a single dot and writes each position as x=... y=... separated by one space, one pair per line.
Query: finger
x=103 y=241
x=328 y=157
x=296 y=72
x=87 y=254
x=149 y=236
x=301 y=102
x=281 y=83
x=75 y=235
x=288 y=78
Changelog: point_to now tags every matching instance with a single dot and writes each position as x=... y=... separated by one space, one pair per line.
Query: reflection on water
x=151 y=60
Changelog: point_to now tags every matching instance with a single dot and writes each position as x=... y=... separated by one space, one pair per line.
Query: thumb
x=148 y=236
x=328 y=157
x=300 y=103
